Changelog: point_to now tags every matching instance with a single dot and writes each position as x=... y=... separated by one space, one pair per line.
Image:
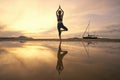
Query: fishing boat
x=87 y=32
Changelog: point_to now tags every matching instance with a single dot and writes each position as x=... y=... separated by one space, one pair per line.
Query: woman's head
x=59 y=12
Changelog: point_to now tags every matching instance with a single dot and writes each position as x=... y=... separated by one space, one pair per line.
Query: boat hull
x=90 y=38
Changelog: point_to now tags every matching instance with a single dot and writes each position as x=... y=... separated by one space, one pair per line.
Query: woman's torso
x=60 y=18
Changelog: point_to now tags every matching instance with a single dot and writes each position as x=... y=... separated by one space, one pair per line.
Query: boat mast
x=87 y=28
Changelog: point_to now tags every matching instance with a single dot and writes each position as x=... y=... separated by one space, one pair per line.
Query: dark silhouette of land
x=47 y=39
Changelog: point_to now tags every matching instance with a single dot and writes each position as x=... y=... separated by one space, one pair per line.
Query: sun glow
x=34 y=24
x=32 y=18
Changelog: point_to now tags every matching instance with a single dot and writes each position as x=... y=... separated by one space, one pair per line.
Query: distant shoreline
x=70 y=39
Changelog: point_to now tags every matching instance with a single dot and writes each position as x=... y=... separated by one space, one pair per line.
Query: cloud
x=51 y=31
x=7 y=33
x=2 y=27
x=104 y=8
x=10 y=33
x=110 y=31
x=113 y=28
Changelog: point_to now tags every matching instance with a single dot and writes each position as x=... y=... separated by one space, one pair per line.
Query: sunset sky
x=37 y=18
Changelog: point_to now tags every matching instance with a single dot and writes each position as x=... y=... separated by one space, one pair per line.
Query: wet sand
x=48 y=60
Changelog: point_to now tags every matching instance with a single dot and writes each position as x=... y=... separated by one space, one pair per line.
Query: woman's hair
x=59 y=12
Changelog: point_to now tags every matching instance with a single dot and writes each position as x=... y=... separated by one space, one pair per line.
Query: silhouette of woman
x=60 y=26
x=60 y=56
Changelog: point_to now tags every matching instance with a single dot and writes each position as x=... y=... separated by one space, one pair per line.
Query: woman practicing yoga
x=60 y=26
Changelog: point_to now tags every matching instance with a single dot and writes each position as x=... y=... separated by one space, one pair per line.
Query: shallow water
x=44 y=60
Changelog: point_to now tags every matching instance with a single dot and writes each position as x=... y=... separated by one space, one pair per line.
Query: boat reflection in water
x=86 y=45
x=60 y=55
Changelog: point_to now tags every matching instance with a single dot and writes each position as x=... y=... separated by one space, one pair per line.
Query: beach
x=42 y=60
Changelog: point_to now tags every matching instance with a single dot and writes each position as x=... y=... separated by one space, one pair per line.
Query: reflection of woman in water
x=60 y=56
x=59 y=14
